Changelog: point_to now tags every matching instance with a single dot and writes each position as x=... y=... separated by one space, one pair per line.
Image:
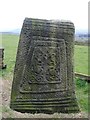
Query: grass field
x=10 y=43
x=81 y=59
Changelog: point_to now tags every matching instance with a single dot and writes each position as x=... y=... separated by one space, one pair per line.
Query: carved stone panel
x=44 y=63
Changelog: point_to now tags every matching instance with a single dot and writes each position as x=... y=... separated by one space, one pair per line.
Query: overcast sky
x=13 y=12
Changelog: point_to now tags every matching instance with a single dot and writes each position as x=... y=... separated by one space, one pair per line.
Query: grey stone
x=43 y=75
x=2 y=65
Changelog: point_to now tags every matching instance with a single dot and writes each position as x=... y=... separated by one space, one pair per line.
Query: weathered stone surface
x=43 y=76
x=2 y=66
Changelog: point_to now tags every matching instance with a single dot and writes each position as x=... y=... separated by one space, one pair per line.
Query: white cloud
x=13 y=12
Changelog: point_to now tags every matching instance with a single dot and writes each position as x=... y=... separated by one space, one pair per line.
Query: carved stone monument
x=43 y=76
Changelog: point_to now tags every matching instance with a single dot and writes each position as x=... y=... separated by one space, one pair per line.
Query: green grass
x=82 y=94
x=10 y=43
x=81 y=59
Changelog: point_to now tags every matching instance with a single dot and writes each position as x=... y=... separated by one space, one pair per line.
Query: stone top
x=47 y=28
x=53 y=23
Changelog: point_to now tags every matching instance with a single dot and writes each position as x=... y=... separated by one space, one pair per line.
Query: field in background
x=81 y=59
x=10 y=43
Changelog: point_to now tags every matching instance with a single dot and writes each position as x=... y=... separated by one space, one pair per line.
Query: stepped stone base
x=50 y=106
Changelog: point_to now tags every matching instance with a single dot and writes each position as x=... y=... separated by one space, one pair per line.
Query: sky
x=13 y=12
